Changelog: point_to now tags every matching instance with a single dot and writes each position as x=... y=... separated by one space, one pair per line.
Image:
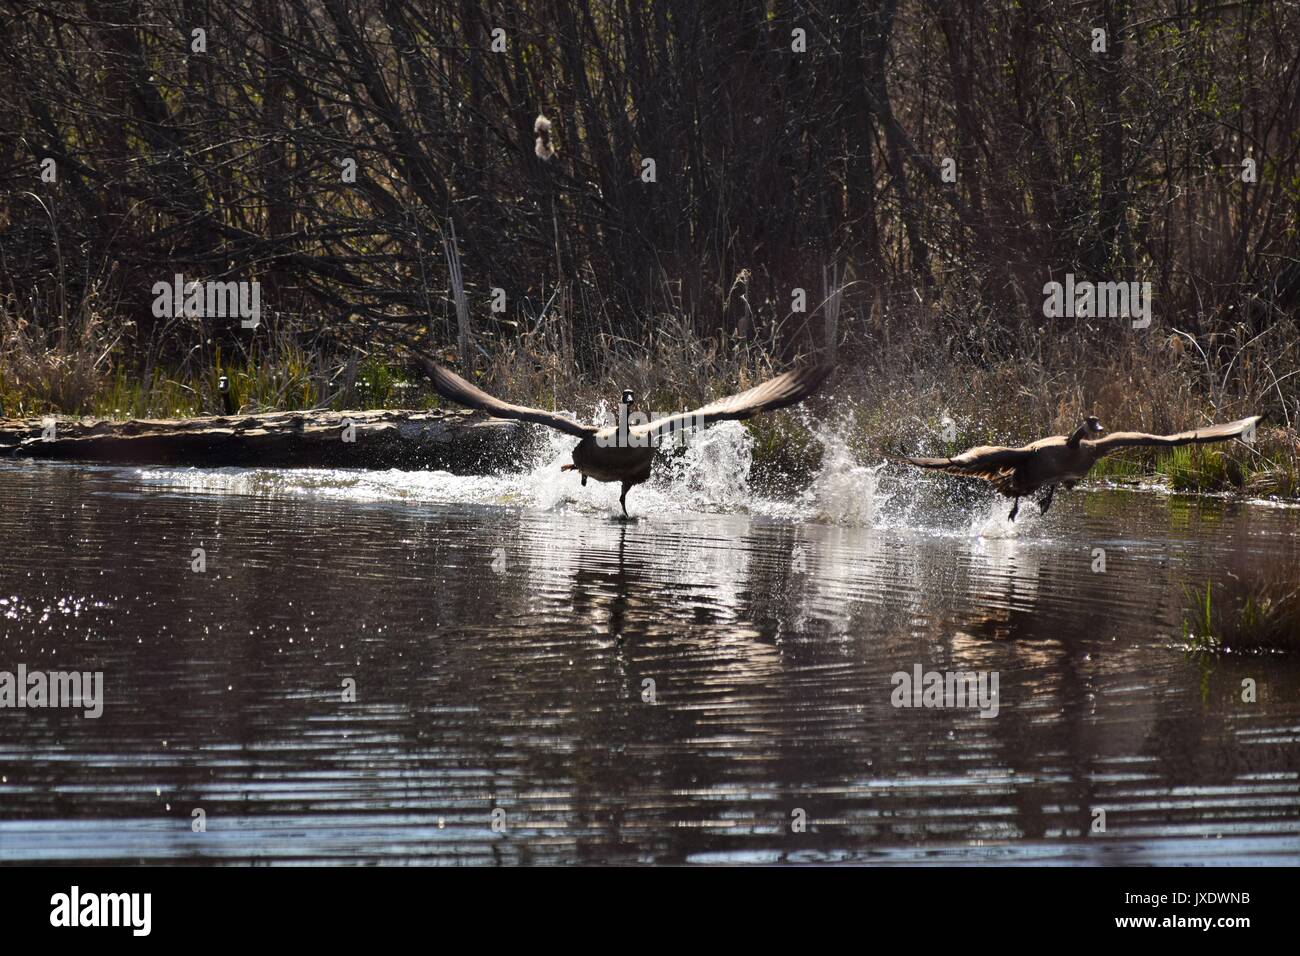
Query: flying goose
x=1017 y=472
x=624 y=452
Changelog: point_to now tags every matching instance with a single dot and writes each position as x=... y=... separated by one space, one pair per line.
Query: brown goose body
x=611 y=462
x=1047 y=461
x=1063 y=459
x=624 y=453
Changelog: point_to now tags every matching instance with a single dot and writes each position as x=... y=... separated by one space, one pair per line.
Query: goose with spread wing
x=1064 y=459
x=624 y=452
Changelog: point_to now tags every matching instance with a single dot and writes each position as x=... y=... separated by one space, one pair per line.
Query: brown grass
x=899 y=376
x=62 y=370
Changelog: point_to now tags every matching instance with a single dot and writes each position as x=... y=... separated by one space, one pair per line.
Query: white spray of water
x=843 y=491
x=712 y=472
x=711 y=475
x=992 y=521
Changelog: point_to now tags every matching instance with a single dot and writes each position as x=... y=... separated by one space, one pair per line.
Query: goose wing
x=786 y=389
x=1198 y=436
x=451 y=386
x=990 y=462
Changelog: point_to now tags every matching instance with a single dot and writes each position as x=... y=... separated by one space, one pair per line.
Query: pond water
x=418 y=667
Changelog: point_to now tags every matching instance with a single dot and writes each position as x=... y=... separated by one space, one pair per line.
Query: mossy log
x=454 y=440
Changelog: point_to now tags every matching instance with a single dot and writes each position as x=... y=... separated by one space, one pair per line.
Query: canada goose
x=227 y=399
x=623 y=452
x=1061 y=459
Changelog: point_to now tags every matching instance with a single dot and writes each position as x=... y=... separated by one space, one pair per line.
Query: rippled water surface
x=536 y=681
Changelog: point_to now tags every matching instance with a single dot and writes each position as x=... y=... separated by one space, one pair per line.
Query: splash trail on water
x=709 y=474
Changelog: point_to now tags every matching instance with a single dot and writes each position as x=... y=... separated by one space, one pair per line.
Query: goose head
x=223 y=385
x=624 y=413
x=1090 y=428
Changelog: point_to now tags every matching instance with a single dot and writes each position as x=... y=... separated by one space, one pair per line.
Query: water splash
x=710 y=475
x=712 y=472
x=991 y=520
x=843 y=491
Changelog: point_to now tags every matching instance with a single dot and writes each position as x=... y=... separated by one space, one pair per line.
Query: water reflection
x=675 y=689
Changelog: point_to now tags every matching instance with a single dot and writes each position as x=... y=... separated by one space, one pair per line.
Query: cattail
x=545 y=147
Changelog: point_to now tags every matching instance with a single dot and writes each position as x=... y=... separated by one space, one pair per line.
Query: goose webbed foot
x=1047 y=500
x=1015 y=509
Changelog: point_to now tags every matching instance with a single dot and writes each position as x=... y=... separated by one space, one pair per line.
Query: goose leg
x=622 y=499
x=1047 y=499
x=1015 y=509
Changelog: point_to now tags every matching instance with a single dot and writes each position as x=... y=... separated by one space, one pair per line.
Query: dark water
x=501 y=634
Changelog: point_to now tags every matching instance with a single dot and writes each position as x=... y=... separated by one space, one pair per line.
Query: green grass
x=1198 y=620
x=286 y=382
x=1270 y=467
x=1243 y=616
x=161 y=397
x=1200 y=468
x=1119 y=468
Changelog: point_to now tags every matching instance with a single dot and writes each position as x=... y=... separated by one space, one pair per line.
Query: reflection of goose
x=624 y=452
x=1015 y=472
x=603 y=594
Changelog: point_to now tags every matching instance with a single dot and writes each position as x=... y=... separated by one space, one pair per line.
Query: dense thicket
x=774 y=168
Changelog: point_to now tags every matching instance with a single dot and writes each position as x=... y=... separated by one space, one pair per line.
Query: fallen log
x=452 y=440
